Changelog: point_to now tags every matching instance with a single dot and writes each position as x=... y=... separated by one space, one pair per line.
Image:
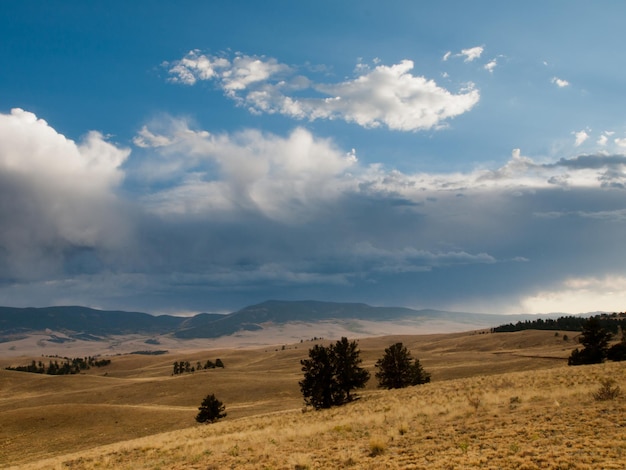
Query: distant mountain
x=86 y=321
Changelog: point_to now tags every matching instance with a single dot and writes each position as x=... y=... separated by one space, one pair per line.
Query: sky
x=191 y=156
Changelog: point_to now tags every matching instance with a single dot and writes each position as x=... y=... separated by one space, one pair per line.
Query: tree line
x=68 y=366
x=610 y=322
x=182 y=367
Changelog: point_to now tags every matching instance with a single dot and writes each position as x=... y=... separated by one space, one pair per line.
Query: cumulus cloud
x=388 y=96
x=59 y=204
x=561 y=83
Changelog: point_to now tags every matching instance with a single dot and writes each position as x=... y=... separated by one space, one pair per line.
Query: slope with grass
x=476 y=409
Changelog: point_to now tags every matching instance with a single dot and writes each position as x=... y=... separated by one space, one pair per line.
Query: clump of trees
x=397 y=369
x=595 y=341
x=611 y=322
x=210 y=410
x=67 y=366
x=181 y=367
x=331 y=374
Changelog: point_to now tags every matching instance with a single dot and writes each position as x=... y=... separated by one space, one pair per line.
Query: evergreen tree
x=595 y=341
x=349 y=374
x=331 y=373
x=319 y=387
x=617 y=352
x=210 y=410
x=397 y=369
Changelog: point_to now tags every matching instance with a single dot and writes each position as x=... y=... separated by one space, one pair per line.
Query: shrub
x=607 y=391
x=377 y=446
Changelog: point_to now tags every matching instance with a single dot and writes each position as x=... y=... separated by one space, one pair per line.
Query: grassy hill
x=496 y=401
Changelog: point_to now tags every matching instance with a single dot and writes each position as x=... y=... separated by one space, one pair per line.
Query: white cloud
x=604 y=138
x=58 y=195
x=384 y=96
x=620 y=142
x=560 y=82
x=472 y=53
x=446 y=56
x=390 y=96
x=581 y=137
x=195 y=66
x=276 y=176
x=491 y=65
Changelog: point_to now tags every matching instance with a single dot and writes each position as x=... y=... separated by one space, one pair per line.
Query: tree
x=595 y=341
x=348 y=373
x=331 y=373
x=210 y=410
x=617 y=352
x=319 y=388
x=397 y=369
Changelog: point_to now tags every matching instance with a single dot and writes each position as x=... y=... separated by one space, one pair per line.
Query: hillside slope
x=137 y=396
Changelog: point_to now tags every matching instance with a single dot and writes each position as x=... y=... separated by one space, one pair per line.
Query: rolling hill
x=90 y=323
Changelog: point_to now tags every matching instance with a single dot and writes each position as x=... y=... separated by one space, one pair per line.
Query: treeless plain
x=503 y=400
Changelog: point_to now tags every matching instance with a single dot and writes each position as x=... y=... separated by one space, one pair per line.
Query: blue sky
x=178 y=157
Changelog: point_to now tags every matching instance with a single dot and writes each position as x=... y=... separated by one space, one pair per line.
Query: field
x=504 y=400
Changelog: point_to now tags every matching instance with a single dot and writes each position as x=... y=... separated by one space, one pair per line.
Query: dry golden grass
x=473 y=414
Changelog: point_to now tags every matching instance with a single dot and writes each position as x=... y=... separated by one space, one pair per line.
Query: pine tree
x=331 y=373
x=349 y=374
x=210 y=410
x=396 y=369
x=319 y=386
x=595 y=341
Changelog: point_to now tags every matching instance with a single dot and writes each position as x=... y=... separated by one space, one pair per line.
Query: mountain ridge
x=89 y=321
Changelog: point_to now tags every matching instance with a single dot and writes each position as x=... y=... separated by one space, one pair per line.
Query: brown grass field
x=496 y=401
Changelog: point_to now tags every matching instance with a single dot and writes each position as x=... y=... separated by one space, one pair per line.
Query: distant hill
x=81 y=321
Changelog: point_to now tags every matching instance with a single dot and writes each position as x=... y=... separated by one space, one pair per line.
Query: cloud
x=469 y=55
x=581 y=136
x=193 y=219
x=472 y=53
x=59 y=205
x=387 y=96
x=491 y=65
x=581 y=294
x=560 y=82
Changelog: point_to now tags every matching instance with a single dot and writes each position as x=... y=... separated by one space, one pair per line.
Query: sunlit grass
x=555 y=423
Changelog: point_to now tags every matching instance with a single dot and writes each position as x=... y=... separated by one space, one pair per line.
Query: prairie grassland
x=526 y=420
x=477 y=412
